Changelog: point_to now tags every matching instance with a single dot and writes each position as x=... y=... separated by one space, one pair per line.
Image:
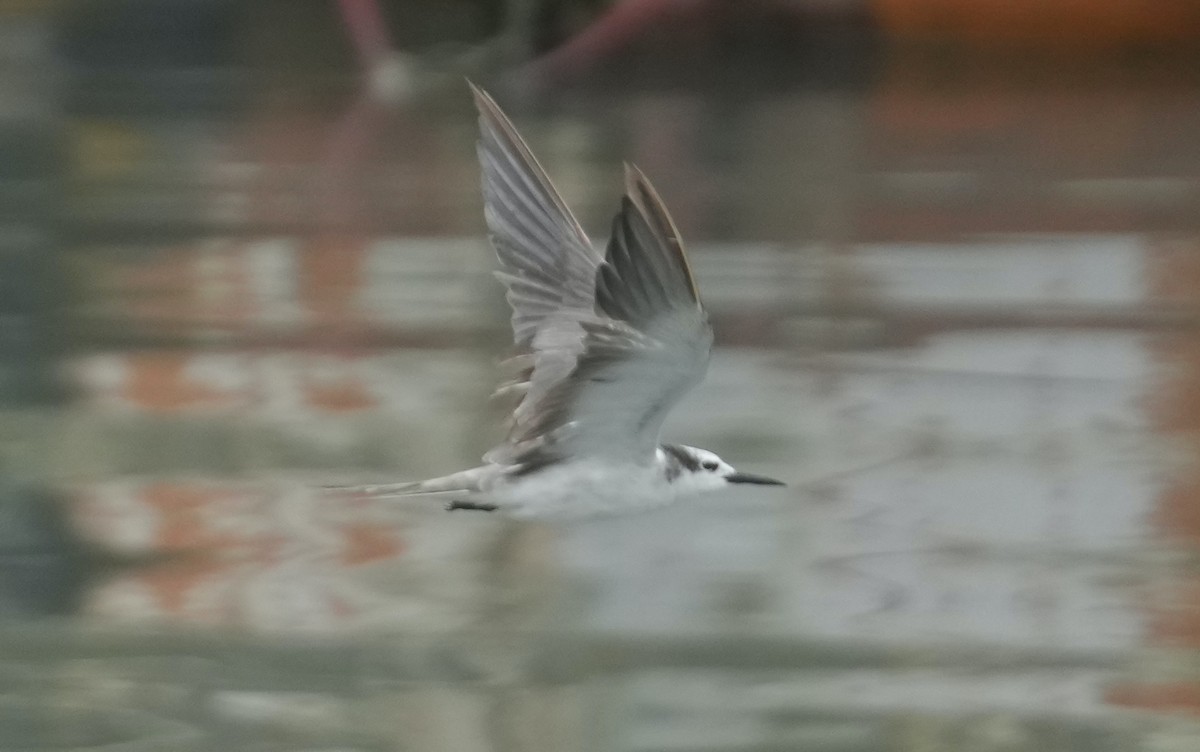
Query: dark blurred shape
x=149 y=33
x=44 y=567
x=30 y=205
x=420 y=24
x=139 y=55
x=28 y=289
x=47 y=567
x=654 y=43
x=314 y=37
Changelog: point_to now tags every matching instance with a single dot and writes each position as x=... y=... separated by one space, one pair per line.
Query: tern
x=607 y=345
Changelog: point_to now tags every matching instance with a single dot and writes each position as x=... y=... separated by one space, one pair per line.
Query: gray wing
x=648 y=345
x=609 y=345
x=547 y=263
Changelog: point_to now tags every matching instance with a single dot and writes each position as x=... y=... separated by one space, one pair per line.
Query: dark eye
x=709 y=466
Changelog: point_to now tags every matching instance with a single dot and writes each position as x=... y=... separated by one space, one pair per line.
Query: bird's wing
x=547 y=264
x=645 y=343
x=648 y=345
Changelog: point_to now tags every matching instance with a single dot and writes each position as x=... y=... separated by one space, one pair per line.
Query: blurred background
x=951 y=249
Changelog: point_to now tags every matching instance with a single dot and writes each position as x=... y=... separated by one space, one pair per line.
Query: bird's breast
x=584 y=488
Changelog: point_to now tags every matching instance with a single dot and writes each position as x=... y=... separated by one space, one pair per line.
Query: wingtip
x=483 y=100
x=634 y=179
x=641 y=193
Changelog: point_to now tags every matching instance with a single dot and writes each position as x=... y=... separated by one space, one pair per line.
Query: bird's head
x=699 y=470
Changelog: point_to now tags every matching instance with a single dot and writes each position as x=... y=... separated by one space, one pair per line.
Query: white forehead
x=704 y=456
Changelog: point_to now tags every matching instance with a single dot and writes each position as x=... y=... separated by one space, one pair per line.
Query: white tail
x=465 y=481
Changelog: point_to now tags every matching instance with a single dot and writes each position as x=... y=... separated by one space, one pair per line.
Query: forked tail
x=464 y=481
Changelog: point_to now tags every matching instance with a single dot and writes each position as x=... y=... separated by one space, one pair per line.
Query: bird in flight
x=607 y=345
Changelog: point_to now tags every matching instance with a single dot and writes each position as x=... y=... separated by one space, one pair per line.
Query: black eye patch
x=710 y=465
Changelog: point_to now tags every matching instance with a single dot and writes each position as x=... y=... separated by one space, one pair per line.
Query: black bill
x=758 y=480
